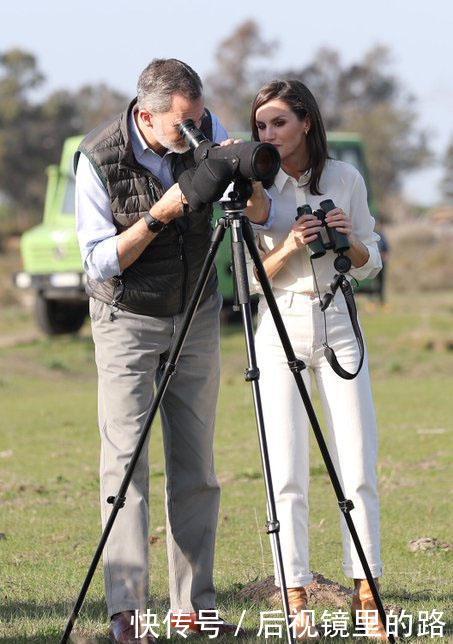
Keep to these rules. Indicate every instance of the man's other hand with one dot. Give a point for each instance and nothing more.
(231, 141)
(170, 206)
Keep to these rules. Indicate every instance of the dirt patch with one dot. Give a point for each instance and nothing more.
(393, 481)
(428, 465)
(429, 544)
(320, 591)
(16, 339)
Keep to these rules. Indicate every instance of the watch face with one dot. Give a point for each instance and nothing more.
(154, 225)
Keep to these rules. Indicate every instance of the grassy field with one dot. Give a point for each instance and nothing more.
(49, 446)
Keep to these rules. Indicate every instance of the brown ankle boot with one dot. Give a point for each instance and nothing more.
(302, 627)
(363, 600)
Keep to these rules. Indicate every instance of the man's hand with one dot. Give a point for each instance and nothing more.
(133, 241)
(170, 206)
(231, 141)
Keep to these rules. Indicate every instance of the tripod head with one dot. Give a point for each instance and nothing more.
(237, 197)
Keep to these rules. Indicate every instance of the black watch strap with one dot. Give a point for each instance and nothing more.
(153, 224)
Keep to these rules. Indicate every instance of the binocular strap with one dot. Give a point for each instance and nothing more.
(352, 310)
(343, 283)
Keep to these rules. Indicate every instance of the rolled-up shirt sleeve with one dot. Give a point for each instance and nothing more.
(96, 231)
(363, 228)
(270, 218)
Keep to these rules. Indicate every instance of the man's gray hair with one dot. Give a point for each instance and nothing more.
(162, 79)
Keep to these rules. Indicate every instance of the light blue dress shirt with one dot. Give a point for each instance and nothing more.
(96, 231)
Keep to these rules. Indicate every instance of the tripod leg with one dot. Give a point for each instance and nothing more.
(119, 500)
(296, 366)
(252, 376)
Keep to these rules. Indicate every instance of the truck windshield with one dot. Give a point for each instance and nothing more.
(69, 193)
(349, 155)
(69, 197)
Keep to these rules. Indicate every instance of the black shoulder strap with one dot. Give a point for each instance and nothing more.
(329, 352)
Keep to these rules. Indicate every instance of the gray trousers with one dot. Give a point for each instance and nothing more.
(129, 351)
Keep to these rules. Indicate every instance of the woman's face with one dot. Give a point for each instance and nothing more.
(279, 125)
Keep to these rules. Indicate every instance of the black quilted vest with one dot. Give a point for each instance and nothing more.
(161, 281)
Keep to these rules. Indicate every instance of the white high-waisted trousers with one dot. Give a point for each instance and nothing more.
(351, 423)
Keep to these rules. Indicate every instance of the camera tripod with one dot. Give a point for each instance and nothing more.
(241, 231)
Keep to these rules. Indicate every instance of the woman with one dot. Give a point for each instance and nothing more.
(286, 114)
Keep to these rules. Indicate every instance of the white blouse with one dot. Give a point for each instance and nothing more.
(340, 182)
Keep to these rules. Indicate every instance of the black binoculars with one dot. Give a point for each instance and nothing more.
(338, 242)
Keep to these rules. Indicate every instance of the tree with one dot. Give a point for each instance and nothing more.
(366, 98)
(446, 184)
(19, 74)
(32, 132)
(232, 84)
(95, 104)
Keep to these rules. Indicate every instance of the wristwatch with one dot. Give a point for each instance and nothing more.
(153, 224)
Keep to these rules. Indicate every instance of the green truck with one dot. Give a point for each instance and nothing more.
(51, 261)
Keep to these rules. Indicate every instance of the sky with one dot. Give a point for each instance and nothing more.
(113, 40)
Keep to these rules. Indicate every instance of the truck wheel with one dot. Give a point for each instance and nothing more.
(55, 317)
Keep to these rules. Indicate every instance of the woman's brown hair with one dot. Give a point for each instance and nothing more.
(302, 102)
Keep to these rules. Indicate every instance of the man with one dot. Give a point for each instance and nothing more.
(142, 256)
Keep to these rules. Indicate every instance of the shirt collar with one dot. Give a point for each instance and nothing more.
(281, 179)
(139, 144)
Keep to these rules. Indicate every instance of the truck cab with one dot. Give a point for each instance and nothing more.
(50, 254)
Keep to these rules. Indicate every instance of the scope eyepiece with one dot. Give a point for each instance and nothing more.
(191, 133)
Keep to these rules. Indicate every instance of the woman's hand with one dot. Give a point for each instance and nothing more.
(338, 219)
(303, 232)
(258, 205)
(358, 252)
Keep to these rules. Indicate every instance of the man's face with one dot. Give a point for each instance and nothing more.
(160, 129)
